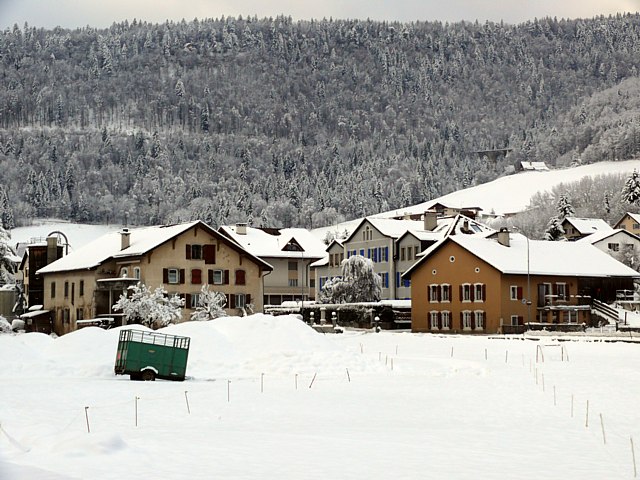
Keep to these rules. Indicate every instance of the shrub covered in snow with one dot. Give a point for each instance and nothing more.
(210, 305)
(152, 309)
(5, 326)
(358, 283)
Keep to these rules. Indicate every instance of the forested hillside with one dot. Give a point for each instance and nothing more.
(297, 123)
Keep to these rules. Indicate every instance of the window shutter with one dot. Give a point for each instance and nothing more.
(461, 321)
(227, 304)
(196, 276)
(520, 320)
(461, 297)
(472, 292)
(519, 295)
(209, 253)
(210, 277)
(240, 277)
(484, 292)
(226, 277)
(473, 321)
(188, 252)
(440, 320)
(165, 275)
(429, 292)
(182, 275)
(440, 293)
(232, 299)
(187, 300)
(247, 298)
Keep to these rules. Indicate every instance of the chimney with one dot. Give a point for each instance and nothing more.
(241, 228)
(52, 249)
(125, 239)
(430, 220)
(503, 236)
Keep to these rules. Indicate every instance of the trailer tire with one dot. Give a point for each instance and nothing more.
(135, 376)
(148, 375)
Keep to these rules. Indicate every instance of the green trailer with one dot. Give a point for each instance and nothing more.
(148, 355)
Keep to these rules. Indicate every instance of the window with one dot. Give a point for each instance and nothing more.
(79, 314)
(636, 226)
(445, 293)
(614, 247)
(466, 320)
(312, 283)
(218, 277)
(81, 289)
(53, 289)
(240, 300)
(136, 273)
(479, 318)
(293, 282)
(478, 292)
(66, 315)
(402, 254)
(515, 320)
(571, 316)
(433, 320)
(433, 293)
(516, 292)
(173, 275)
(465, 292)
(195, 300)
(561, 291)
(293, 266)
(124, 272)
(416, 251)
(196, 276)
(409, 253)
(66, 289)
(240, 280)
(445, 318)
(196, 252)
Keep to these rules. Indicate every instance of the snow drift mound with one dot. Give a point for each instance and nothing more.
(222, 348)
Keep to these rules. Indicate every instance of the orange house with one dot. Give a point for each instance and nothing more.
(467, 284)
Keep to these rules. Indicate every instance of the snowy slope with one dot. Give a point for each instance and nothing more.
(268, 398)
(77, 234)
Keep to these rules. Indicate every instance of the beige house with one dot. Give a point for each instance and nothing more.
(576, 228)
(470, 284)
(290, 251)
(87, 282)
(629, 222)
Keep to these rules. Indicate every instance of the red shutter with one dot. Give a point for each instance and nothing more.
(520, 320)
(210, 277)
(461, 321)
(232, 300)
(240, 277)
(472, 292)
(188, 252)
(182, 275)
(439, 320)
(484, 292)
(461, 297)
(165, 276)
(209, 252)
(248, 298)
(187, 300)
(519, 294)
(226, 277)
(473, 321)
(196, 276)
(440, 293)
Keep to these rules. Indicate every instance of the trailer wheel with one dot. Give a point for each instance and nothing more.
(148, 375)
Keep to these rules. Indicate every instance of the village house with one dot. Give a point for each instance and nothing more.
(629, 222)
(87, 282)
(621, 244)
(393, 245)
(470, 284)
(289, 251)
(576, 228)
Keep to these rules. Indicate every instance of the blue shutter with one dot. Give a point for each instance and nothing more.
(362, 252)
(386, 280)
(386, 254)
(397, 279)
(368, 253)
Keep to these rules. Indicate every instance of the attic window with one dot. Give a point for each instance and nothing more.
(452, 259)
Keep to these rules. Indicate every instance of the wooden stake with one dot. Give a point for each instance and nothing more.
(554, 395)
(586, 423)
(451, 352)
(313, 379)
(136, 402)
(386, 359)
(391, 363)
(86, 415)
(296, 376)
(604, 437)
(348, 376)
(396, 350)
(506, 356)
(187, 400)
(543, 382)
(633, 457)
(485, 353)
(228, 391)
(262, 383)
(379, 356)
(361, 349)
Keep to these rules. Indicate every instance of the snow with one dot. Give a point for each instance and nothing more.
(265, 245)
(589, 225)
(270, 398)
(77, 234)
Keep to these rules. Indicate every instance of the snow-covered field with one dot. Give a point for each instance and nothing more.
(270, 398)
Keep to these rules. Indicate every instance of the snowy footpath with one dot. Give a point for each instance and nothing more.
(269, 398)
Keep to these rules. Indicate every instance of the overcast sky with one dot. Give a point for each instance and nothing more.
(102, 13)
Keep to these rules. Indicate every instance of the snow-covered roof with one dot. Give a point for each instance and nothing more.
(588, 226)
(272, 243)
(539, 166)
(602, 235)
(141, 241)
(634, 216)
(394, 228)
(544, 257)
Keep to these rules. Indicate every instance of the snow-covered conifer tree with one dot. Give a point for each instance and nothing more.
(564, 207)
(152, 309)
(631, 189)
(210, 305)
(7, 269)
(554, 231)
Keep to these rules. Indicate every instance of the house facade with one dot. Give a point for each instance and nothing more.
(629, 222)
(620, 244)
(86, 283)
(478, 285)
(290, 251)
